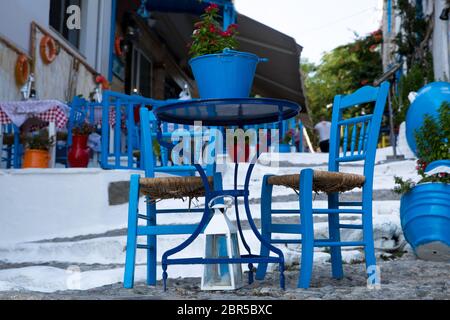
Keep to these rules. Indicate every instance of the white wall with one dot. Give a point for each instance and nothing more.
(16, 17)
(441, 45)
(37, 204)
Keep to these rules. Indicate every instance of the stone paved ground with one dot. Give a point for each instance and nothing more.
(402, 278)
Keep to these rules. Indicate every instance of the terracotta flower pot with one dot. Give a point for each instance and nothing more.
(79, 154)
(36, 159)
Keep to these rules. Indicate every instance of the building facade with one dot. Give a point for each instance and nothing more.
(139, 46)
(82, 52)
(435, 12)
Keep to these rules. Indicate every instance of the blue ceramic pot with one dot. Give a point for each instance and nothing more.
(225, 75)
(284, 148)
(425, 219)
(428, 101)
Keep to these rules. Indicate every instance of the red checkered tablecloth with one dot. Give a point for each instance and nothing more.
(55, 114)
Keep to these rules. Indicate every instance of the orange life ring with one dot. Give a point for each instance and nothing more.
(118, 46)
(48, 49)
(22, 70)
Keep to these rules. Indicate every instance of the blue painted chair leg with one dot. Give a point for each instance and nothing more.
(266, 220)
(152, 245)
(307, 223)
(132, 232)
(369, 251)
(335, 236)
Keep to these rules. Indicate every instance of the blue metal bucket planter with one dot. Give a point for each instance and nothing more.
(225, 75)
(425, 218)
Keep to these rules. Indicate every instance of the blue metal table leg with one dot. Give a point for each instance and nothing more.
(207, 216)
(165, 275)
(255, 229)
(205, 219)
(239, 225)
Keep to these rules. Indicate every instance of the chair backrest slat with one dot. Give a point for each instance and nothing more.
(364, 129)
(120, 108)
(345, 147)
(149, 128)
(366, 135)
(352, 148)
(361, 138)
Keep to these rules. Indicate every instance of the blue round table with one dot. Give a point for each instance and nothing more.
(226, 112)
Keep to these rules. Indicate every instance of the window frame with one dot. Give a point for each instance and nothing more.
(62, 23)
(137, 55)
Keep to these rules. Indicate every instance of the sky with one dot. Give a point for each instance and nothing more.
(317, 25)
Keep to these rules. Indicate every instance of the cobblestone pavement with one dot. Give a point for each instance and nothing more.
(402, 278)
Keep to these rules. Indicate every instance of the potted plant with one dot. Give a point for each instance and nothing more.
(219, 70)
(425, 205)
(79, 152)
(37, 148)
(285, 145)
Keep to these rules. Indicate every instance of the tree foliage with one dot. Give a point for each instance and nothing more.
(412, 44)
(342, 71)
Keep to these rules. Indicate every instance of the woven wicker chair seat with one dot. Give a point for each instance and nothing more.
(323, 181)
(173, 187)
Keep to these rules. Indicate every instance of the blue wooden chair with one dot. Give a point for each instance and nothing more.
(360, 138)
(178, 186)
(119, 153)
(11, 153)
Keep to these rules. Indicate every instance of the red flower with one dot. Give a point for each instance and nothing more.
(233, 27)
(212, 28)
(226, 34)
(100, 79)
(211, 8)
